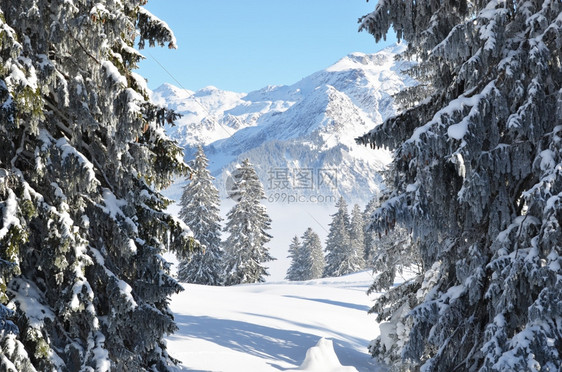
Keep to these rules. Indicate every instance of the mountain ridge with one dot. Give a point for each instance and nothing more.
(309, 125)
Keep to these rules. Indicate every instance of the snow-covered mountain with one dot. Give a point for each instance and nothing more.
(299, 137)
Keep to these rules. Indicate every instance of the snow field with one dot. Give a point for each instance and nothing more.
(270, 326)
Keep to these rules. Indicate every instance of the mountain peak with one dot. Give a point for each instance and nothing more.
(381, 60)
(206, 91)
(168, 89)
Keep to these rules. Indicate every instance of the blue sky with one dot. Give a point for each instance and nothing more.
(245, 45)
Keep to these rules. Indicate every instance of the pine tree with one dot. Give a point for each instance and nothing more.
(477, 176)
(297, 270)
(315, 255)
(338, 243)
(345, 244)
(357, 237)
(307, 259)
(200, 211)
(368, 232)
(247, 225)
(83, 285)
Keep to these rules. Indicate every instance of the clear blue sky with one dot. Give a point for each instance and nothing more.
(243, 45)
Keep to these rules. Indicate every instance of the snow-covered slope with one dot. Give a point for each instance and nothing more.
(270, 327)
(300, 137)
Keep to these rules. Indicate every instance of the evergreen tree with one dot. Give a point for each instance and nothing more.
(478, 178)
(83, 285)
(307, 259)
(341, 258)
(357, 236)
(298, 261)
(247, 225)
(345, 243)
(337, 241)
(200, 211)
(313, 248)
(368, 232)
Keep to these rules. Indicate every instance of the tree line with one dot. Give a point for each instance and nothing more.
(353, 245)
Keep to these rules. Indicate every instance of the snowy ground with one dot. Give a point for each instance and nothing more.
(270, 326)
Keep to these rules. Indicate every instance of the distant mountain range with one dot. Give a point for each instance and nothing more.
(299, 137)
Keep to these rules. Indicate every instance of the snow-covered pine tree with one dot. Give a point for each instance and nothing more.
(313, 247)
(368, 232)
(297, 269)
(247, 225)
(357, 235)
(341, 258)
(13, 356)
(82, 157)
(307, 258)
(200, 211)
(478, 176)
(337, 241)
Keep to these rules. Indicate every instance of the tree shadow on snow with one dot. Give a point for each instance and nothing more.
(348, 305)
(347, 354)
(264, 342)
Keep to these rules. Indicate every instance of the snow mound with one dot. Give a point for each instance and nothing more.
(323, 358)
